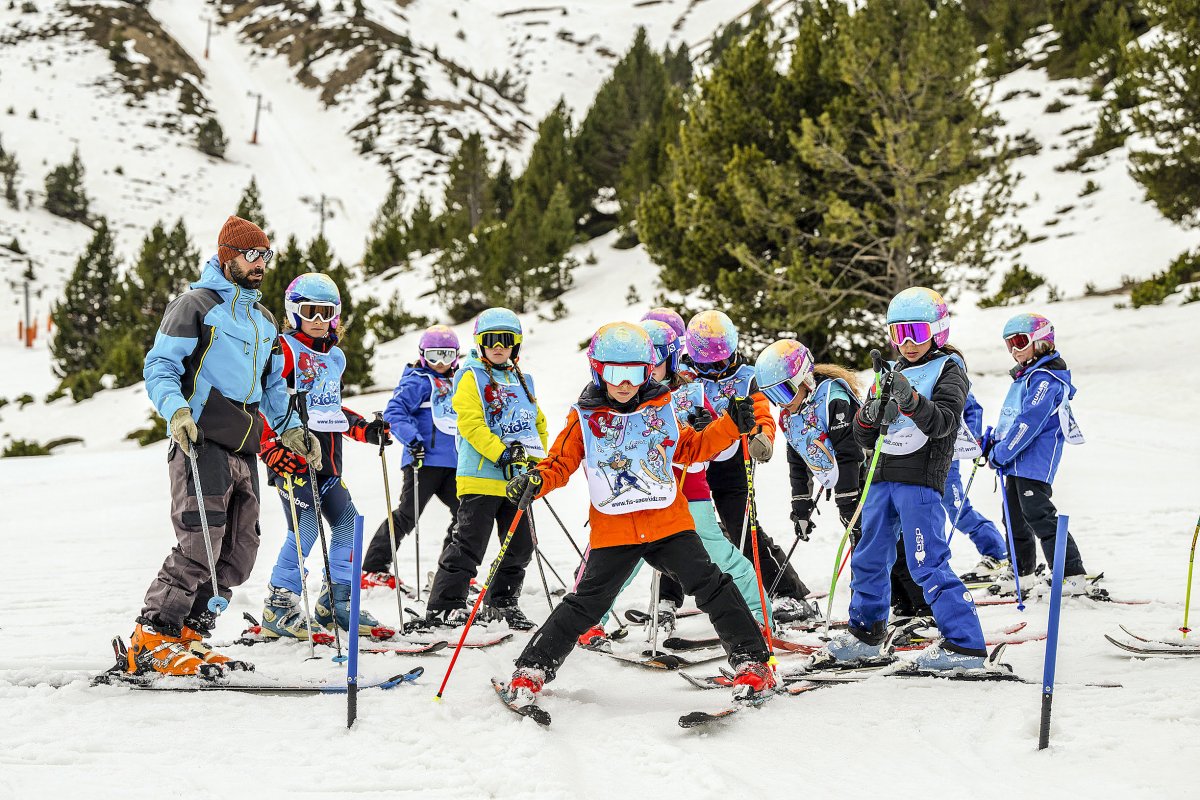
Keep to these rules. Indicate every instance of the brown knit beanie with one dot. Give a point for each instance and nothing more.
(238, 232)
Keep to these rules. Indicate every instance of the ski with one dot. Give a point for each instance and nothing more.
(168, 684)
(1007, 635)
(531, 711)
(700, 719)
(1012, 601)
(257, 634)
(677, 643)
(661, 661)
(1167, 642)
(639, 617)
(410, 650)
(474, 643)
(1154, 649)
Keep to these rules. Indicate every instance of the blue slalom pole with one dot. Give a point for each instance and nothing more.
(1060, 557)
(355, 605)
(1012, 545)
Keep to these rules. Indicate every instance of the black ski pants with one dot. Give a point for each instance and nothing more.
(430, 482)
(728, 482)
(478, 516)
(680, 555)
(1033, 517)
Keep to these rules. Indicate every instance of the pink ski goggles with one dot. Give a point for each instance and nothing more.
(915, 332)
(616, 374)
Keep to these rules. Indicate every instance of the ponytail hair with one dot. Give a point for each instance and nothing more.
(834, 371)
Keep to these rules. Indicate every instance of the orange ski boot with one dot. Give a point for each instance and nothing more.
(153, 652)
(195, 642)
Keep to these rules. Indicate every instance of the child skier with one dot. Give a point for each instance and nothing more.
(500, 429)
(313, 363)
(817, 404)
(422, 417)
(633, 526)
(711, 341)
(692, 408)
(1027, 446)
(918, 409)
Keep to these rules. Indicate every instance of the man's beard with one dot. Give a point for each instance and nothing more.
(247, 280)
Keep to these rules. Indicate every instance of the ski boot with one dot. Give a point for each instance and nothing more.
(282, 616)
(511, 614)
(386, 580)
(196, 630)
(666, 617)
(336, 606)
(435, 619)
(847, 651)
(166, 653)
(936, 658)
(521, 692)
(988, 570)
(753, 683)
(789, 609)
(594, 638)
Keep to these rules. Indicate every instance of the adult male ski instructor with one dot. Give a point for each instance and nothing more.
(215, 365)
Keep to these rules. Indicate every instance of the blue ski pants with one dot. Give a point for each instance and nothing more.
(982, 531)
(922, 520)
(337, 508)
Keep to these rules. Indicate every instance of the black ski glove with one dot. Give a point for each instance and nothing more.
(902, 392)
(512, 459)
(700, 419)
(878, 412)
(741, 409)
(281, 461)
(803, 526)
(417, 451)
(378, 431)
(516, 488)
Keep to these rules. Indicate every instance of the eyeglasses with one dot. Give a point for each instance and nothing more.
(782, 394)
(616, 374)
(253, 254)
(714, 368)
(440, 355)
(490, 339)
(915, 332)
(317, 312)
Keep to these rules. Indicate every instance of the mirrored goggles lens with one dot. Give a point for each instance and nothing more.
(317, 312)
(915, 332)
(782, 394)
(254, 254)
(616, 374)
(440, 355)
(714, 367)
(1018, 341)
(491, 339)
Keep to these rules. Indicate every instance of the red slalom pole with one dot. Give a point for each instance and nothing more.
(526, 499)
(762, 594)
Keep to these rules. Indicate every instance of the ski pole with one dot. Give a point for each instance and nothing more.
(537, 554)
(355, 607)
(526, 499)
(655, 588)
(564, 528)
(749, 507)
(787, 561)
(391, 523)
(216, 603)
(1012, 546)
(553, 571)
(312, 647)
(977, 463)
(315, 486)
(877, 365)
(1187, 601)
(416, 465)
(1060, 556)
(753, 523)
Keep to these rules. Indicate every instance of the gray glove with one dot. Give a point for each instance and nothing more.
(761, 447)
(903, 393)
(303, 444)
(184, 430)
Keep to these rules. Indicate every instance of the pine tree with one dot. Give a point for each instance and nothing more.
(65, 194)
(250, 206)
(648, 158)
(8, 172)
(416, 97)
(468, 199)
(283, 269)
(502, 191)
(424, 229)
(82, 316)
(210, 139)
(553, 161)
(388, 245)
(1166, 76)
(556, 234)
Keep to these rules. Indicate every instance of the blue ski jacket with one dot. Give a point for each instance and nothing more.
(1030, 433)
(410, 415)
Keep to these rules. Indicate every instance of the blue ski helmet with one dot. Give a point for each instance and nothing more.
(918, 304)
(784, 360)
(1035, 327)
(666, 343)
(498, 320)
(663, 314)
(312, 288)
(624, 350)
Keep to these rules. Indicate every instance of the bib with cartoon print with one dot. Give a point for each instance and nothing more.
(320, 374)
(720, 392)
(507, 410)
(628, 457)
(807, 431)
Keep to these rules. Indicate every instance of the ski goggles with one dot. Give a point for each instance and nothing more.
(1019, 341)
(616, 374)
(715, 369)
(253, 254)
(915, 332)
(490, 339)
(667, 352)
(318, 312)
(782, 394)
(440, 355)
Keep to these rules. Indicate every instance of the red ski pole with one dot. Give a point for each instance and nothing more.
(526, 499)
(762, 594)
